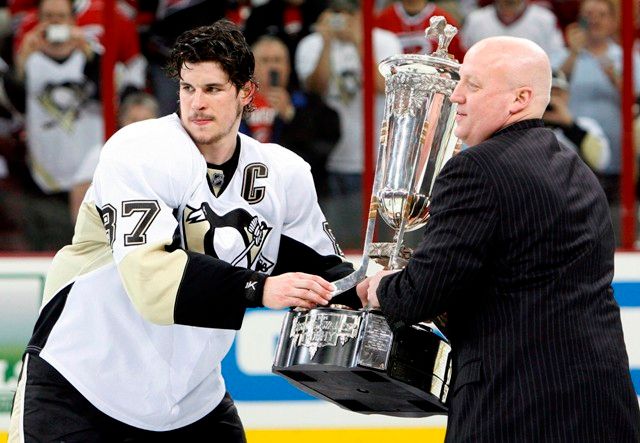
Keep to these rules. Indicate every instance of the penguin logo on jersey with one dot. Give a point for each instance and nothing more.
(236, 237)
(64, 102)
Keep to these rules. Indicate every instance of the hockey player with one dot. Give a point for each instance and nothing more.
(201, 222)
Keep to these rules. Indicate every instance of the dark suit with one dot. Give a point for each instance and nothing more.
(519, 252)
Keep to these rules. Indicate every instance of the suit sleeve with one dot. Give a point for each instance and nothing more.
(451, 255)
(138, 200)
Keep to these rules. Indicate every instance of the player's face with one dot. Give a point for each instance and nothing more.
(210, 105)
(483, 97)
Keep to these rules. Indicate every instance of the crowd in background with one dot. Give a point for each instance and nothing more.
(308, 65)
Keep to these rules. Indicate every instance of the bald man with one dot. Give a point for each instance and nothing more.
(518, 252)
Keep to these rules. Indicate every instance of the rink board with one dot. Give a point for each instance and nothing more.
(271, 409)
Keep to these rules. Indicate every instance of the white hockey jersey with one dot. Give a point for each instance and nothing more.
(139, 319)
(63, 120)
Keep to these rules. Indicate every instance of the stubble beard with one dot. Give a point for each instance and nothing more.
(207, 140)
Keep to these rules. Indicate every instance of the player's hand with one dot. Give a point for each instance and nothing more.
(296, 289)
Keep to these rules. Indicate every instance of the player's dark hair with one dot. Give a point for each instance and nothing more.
(222, 42)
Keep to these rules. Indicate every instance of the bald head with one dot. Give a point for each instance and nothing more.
(503, 80)
(521, 63)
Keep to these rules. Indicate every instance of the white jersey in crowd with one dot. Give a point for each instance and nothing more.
(344, 91)
(537, 23)
(140, 310)
(63, 122)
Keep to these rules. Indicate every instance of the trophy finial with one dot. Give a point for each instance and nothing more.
(444, 32)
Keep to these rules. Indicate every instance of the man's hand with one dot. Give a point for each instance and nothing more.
(367, 288)
(558, 113)
(324, 27)
(280, 100)
(296, 289)
(362, 289)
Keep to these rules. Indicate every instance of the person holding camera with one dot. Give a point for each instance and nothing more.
(273, 101)
(583, 134)
(289, 116)
(329, 63)
(593, 65)
(56, 35)
(58, 71)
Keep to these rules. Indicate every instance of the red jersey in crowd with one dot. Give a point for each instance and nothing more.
(260, 121)
(410, 29)
(89, 18)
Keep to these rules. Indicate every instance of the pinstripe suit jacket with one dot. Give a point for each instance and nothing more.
(519, 252)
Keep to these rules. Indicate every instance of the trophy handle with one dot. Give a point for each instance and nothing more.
(351, 280)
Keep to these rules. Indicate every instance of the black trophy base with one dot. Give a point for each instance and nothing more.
(363, 390)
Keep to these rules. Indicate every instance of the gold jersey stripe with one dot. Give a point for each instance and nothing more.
(151, 277)
(89, 251)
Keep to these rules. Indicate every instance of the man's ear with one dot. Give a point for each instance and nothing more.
(522, 98)
(247, 92)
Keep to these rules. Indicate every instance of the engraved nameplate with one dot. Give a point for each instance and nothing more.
(315, 330)
(376, 343)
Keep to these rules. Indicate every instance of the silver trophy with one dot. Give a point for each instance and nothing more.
(351, 357)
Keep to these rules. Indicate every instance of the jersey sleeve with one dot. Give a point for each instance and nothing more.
(139, 189)
(307, 243)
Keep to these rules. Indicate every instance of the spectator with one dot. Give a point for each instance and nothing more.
(329, 63)
(135, 107)
(583, 134)
(594, 68)
(289, 20)
(12, 171)
(238, 12)
(59, 67)
(131, 65)
(287, 116)
(516, 18)
(409, 18)
(564, 10)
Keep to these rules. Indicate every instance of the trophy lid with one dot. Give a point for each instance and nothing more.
(438, 63)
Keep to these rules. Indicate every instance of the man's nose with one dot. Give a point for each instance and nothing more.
(454, 98)
(198, 100)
